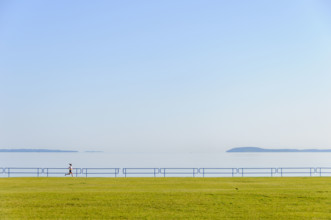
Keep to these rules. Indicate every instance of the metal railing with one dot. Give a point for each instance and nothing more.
(141, 171)
(60, 171)
(323, 170)
(22, 171)
(297, 171)
(100, 171)
(179, 171)
(168, 172)
(218, 171)
(257, 171)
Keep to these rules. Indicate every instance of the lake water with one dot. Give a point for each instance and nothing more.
(168, 160)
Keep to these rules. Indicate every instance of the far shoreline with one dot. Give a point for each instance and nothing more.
(263, 150)
(36, 151)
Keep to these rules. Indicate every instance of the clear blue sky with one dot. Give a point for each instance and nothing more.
(177, 76)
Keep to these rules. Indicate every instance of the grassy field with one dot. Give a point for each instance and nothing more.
(165, 198)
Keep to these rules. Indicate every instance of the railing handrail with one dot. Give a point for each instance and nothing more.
(154, 171)
(116, 170)
(232, 171)
(296, 167)
(124, 170)
(194, 171)
(240, 170)
(47, 171)
(7, 170)
(158, 172)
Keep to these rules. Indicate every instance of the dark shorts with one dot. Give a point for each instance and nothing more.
(70, 171)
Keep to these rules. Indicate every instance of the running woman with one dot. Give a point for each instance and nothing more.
(70, 170)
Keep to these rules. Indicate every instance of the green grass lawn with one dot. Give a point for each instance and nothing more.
(165, 198)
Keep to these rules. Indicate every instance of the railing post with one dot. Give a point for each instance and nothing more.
(8, 172)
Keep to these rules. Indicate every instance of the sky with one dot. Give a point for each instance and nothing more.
(165, 76)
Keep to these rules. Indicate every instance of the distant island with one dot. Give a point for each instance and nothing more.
(262, 150)
(36, 151)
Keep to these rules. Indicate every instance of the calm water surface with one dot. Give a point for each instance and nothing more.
(168, 160)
